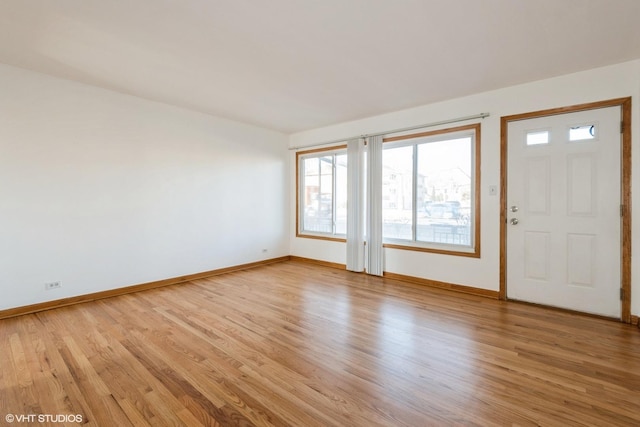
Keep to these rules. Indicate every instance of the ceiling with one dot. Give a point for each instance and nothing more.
(292, 65)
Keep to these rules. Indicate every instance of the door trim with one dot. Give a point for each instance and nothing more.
(625, 189)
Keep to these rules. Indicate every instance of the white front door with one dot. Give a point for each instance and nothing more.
(563, 211)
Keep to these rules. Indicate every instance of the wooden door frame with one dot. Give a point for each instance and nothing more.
(625, 191)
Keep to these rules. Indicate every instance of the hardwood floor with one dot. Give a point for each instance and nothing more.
(294, 344)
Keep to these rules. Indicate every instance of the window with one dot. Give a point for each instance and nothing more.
(538, 137)
(583, 132)
(322, 194)
(431, 191)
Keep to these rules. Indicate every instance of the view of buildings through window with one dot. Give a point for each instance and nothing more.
(428, 191)
(324, 197)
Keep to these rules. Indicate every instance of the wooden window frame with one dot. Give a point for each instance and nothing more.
(299, 206)
(473, 250)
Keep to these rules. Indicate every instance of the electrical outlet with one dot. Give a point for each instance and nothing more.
(52, 285)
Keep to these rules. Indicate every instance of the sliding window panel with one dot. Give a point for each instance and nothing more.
(397, 193)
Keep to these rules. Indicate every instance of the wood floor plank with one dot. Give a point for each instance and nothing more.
(304, 364)
(295, 344)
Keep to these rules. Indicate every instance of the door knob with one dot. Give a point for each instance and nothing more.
(513, 208)
(513, 221)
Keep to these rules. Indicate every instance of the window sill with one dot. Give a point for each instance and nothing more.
(464, 251)
(321, 237)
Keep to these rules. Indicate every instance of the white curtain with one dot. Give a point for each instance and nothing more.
(356, 208)
(375, 253)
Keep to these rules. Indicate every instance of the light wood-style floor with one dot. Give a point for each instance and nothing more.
(294, 344)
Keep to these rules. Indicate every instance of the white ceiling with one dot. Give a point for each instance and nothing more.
(293, 65)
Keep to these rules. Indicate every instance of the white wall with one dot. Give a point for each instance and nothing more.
(617, 81)
(99, 190)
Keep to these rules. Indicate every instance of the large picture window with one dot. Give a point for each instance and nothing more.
(431, 191)
(322, 193)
